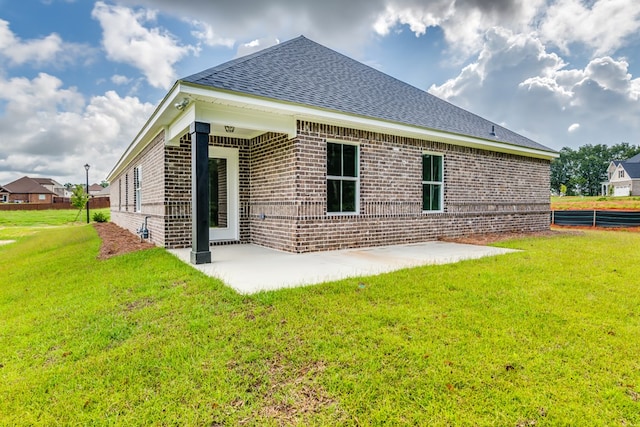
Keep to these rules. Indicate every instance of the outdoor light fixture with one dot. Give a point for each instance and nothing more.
(180, 105)
(229, 129)
(86, 168)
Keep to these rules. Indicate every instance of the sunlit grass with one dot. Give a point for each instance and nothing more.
(595, 202)
(46, 217)
(546, 336)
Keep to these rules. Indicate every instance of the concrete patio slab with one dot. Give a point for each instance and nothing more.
(250, 268)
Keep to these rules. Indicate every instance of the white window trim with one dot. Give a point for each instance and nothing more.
(356, 179)
(137, 188)
(440, 183)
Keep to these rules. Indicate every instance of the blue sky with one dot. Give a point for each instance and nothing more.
(79, 78)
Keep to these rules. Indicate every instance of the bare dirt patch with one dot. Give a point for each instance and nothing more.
(117, 240)
(488, 238)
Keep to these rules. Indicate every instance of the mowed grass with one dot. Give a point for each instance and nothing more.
(46, 217)
(547, 336)
(595, 202)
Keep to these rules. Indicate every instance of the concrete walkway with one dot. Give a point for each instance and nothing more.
(250, 268)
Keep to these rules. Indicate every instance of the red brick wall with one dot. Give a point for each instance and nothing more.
(94, 203)
(151, 160)
(178, 189)
(273, 191)
(283, 191)
(483, 192)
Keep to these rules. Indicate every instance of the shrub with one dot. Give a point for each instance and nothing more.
(100, 217)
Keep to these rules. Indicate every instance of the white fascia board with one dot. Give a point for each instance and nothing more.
(148, 132)
(179, 127)
(278, 116)
(331, 117)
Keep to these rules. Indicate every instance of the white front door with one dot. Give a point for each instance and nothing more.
(223, 193)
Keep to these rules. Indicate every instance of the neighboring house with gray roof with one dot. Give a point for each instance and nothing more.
(300, 148)
(624, 178)
(26, 190)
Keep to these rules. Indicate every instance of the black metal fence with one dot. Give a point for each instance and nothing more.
(597, 218)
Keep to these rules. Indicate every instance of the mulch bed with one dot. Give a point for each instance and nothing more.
(117, 240)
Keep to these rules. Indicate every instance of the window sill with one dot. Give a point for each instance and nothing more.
(343, 213)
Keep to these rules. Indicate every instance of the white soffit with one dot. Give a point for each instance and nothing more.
(293, 112)
(252, 116)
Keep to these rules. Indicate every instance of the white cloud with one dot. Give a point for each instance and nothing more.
(574, 127)
(50, 49)
(342, 24)
(153, 51)
(204, 32)
(515, 81)
(54, 130)
(463, 23)
(417, 19)
(603, 26)
(120, 79)
(256, 45)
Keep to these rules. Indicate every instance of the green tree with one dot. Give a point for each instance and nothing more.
(623, 151)
(563, 190)
(582, 170)
(79, 198)
(593, 161)
(563, 169)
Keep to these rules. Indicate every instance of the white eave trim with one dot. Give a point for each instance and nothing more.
(302, 112)
(180, 120)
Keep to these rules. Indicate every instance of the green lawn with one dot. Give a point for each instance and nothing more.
(546, 337)
(47, 217)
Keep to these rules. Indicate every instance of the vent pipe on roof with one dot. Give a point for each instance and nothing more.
(493, 130)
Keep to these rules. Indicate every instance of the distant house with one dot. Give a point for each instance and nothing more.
(52, 185)
(95, 189)
(30, 190)
(300, 148)
(624, 178)
(4, 195)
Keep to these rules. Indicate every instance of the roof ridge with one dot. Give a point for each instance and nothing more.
(242, 59)
(305, 72)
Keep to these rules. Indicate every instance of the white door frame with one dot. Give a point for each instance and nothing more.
(231, 231)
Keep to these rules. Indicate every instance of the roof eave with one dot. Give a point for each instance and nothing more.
(148, 132)
(165, 114)
(305, 112)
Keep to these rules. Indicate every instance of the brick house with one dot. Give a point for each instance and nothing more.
(29, 190)
(300, 148)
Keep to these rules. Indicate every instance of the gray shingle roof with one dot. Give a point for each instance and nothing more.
(632, 168)
(634, 159)
(304, 72)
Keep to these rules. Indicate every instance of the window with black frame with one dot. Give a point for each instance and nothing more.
(432, 182)
(342, 178)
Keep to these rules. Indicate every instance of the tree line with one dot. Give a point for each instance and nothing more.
(581, 171)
